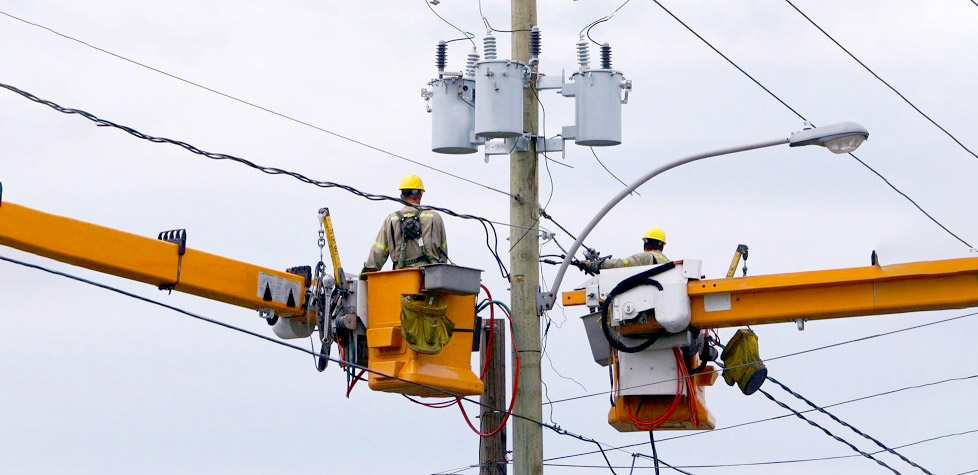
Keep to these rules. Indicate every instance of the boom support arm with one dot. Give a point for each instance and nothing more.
(837, 293)
(151, 261)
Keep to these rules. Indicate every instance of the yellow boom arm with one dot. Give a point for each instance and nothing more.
(837, 293)
(153, 261)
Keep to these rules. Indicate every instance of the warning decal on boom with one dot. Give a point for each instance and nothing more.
(272, 288)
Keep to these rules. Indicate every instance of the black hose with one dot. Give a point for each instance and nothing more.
(642, 278)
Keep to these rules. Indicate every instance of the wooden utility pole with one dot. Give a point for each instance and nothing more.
(492, 450)
(524, 259)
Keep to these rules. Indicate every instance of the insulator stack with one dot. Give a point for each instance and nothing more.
(606, 56)
(583, 54)
(441, 56)
(470, 63)
(535, 44)
(489, 47)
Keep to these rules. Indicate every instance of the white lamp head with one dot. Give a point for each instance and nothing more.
(839, 138)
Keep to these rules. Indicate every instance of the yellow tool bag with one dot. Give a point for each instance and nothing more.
(424, 323)
(743, 364)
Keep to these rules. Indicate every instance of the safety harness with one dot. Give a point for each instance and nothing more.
(410, 224)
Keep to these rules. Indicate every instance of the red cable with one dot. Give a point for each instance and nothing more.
(435, 405)
(512, 402)
(353, 383)
(650, 425)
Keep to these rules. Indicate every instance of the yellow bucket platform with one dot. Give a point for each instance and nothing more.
(388, 352)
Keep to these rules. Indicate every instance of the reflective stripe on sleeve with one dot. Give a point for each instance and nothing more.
(380, 245)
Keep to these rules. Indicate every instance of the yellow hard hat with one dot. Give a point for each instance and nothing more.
(656, 233)
(411, 182)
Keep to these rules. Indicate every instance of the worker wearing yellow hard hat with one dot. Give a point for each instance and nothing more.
(412, 236)
(653, 242)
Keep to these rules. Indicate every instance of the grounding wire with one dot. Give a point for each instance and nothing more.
(493, 246)
(895, 91)
(846, 424)
(775, 96)
(555, 428)
(468, 35)
(609, 171)
(259, 107)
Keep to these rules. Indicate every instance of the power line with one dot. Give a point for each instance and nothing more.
(846, 424)
(586, 31)
(466, 34)
(790, 461)
(827, 432)
(895, 91)
(775, 96)
(259, 107)
(789, 355)
(553, 427)
(768, 419)
(609, 171)
(787, 415)
(486, 224)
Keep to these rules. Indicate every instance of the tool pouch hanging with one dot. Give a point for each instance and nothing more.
(424, 323)
(742, 361)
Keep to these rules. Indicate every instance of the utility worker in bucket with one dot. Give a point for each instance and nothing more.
(654, 241)
(411, 237)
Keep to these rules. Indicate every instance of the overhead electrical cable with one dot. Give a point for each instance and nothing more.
(259, 107)
(554, 428)
(775, 96)
(609, 171)
(586, 31)
(846, 424)
(895, 91)
(781, 462)
(486, 224)
(789, 355)
(468, 35)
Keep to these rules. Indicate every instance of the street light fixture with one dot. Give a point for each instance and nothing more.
(839, 138)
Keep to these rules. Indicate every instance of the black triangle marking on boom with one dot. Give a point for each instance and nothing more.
(268, 294)
(291, 301)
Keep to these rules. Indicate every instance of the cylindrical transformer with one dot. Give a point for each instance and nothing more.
(453, 115)
(598, 107)
(499, 104)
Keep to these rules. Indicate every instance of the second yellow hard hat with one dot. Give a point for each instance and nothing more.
(411, 182)
(656, 233)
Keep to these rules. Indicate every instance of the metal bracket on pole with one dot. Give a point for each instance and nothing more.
(522, 143)
(545, 301)
(550, 82)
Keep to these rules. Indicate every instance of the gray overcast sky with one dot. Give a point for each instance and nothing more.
(94, 382)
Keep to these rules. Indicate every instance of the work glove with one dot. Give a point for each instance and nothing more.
(742, 362)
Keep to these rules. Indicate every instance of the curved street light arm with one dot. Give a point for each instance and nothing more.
(551, 297)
